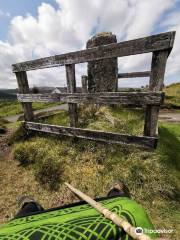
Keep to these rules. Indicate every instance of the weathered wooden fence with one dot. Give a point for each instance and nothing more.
(160, 45)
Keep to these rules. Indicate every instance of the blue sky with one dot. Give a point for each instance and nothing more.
(13, 8)
(36, 28)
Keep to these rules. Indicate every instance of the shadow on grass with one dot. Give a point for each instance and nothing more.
(169, 148)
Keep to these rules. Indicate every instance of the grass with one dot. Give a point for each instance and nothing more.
(3, 127)
(8, 108)
(169, 147)
(60, 118)
(172, 93)
(43, 162)
(103, 118)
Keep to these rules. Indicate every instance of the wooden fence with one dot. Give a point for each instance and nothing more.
(160, 45)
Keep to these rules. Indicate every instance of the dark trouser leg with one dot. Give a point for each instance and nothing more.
(29, 208)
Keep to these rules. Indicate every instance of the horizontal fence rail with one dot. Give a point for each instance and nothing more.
(134, 74)
(108, 137)
(163, 41)
(121, 98)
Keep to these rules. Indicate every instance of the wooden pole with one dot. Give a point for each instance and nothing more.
(24, 89)
(71, 88)
(156, 84)
(120, 222)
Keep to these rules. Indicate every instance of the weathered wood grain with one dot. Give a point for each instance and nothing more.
(46, 97)
(24, 89)
(121, 98)
(138, 46)
(134, 74)
(71, 88)
(101, 136)
(158, 66)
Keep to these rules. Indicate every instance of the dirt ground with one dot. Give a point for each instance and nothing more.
(4, 148)
(169, 116)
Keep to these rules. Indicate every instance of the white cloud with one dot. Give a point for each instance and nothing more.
(172, 23)
(56, 31)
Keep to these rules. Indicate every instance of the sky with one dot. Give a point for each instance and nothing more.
(35, 29)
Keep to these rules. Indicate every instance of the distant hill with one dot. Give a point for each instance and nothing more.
(10, 94)
(172, 95)
(173, 89)
(7, 95)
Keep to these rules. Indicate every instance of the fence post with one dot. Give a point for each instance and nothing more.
(84, 81)
(71, 88)
(158, 66)
(23, 89)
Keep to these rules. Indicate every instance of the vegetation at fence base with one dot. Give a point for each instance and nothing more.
(8, 108)
(112, 119)
(60, 118)
(172, 93)
(117, 120)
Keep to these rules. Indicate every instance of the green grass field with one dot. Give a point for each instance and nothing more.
(47, 161)
(8, 108)
(172, 93)
(38, 165)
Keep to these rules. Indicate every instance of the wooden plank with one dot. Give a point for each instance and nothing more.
(101, 136)
(46, 97)
(24, 89)
(158, 66)
(138, 46)
(134, 74)
(84, 82)
(71, 88)
(121, 98)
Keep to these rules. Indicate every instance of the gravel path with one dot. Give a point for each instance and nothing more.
(169, 116)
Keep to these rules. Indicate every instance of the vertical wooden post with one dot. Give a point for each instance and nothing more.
(71, 88)
(24, 88)
(158, 66)
(84, 81)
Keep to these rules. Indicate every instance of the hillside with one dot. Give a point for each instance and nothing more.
(4, 95)
(38, 165)
(172, 93)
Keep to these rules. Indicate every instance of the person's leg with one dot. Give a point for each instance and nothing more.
(119, 189)
(27, 206)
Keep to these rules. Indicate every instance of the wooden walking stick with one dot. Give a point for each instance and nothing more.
(120, 222)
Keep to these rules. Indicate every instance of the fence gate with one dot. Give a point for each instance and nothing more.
(160, 45)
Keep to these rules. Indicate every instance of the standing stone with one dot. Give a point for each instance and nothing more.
(102, 74)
